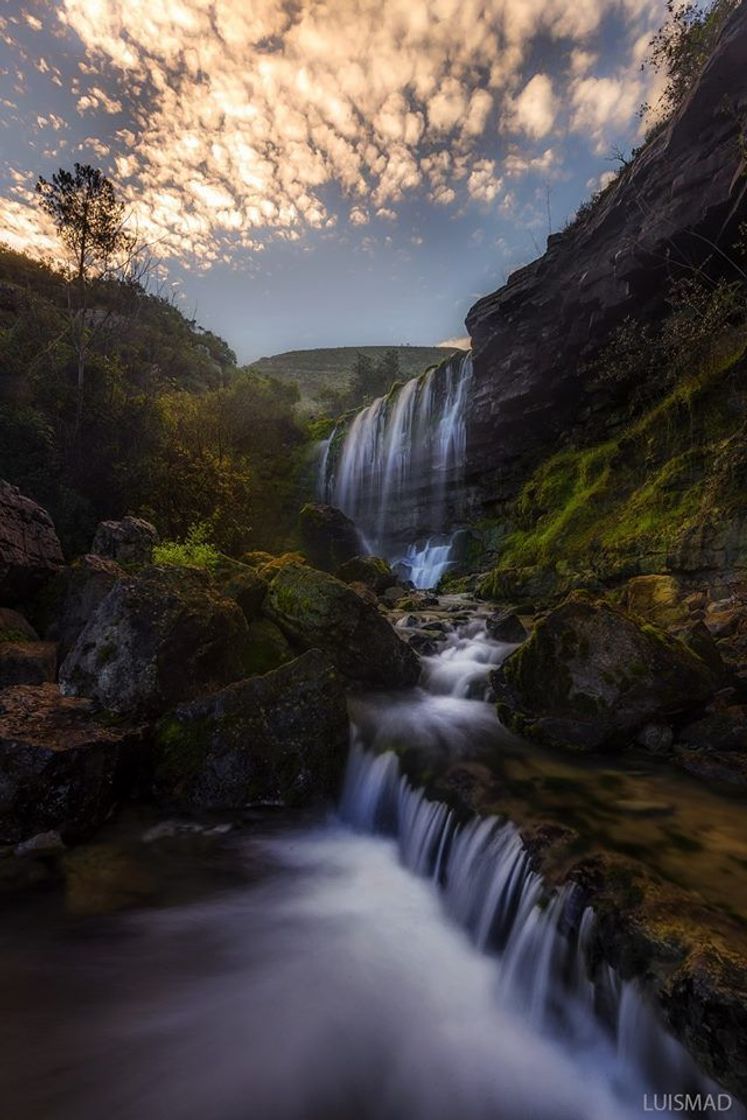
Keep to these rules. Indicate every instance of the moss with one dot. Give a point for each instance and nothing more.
(181, 748)
(106, 653)
(13, 635)
(602, 508)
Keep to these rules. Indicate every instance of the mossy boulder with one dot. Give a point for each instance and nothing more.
(158, 638)
(63, 765)
(591, 677)
(245, 586)
(72, 597)
(657, 598)
(280, 738)
(276, 564)
(316, 610)
(14, 627)
(372, 571)
(328, 537)
(27, 663)
(267, 647)
(130, 541)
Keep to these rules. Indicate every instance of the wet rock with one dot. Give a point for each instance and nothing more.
(423, 643)
(280, 738)
(130, 541)
(369, 570)
(73, 596)
(365, 593)
(724, 730)
(316, 610)
(14, 627)
(62, 765)
(397, 595)
(104, 878)
(158, 638)
(723, 767)
(591, 677)
(30, 551)
(43, 844)
(655, 737)
(506, 626)
(27, 663)
(329, 538)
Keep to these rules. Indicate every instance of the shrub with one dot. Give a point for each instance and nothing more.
(195, 551)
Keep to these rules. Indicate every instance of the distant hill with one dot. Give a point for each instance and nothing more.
(330, 369)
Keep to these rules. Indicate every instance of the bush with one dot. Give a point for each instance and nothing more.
(195, 551)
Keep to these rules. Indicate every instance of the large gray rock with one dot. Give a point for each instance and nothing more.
(316, 610)
(280, 738)
(536, 339)
(62, 767)
(130, 541)
(30, 551)
(329, 538)
(73, 596)
(591, 677)
(158, 638)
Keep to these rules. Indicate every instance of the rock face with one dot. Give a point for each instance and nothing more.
(73, 596)
(533, 338)
(281, 738)
(315, 610)
(130, 541)
(14, 627)
(329, 537)
(158, 638)
(591, 677)
(61, 767)
(30, 550)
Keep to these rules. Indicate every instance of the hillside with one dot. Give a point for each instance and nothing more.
(330, 369)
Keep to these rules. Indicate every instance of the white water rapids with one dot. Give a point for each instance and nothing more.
(398, 470)
(387, 964)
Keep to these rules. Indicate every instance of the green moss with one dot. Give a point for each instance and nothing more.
(600, 509)
(11, 635)
(180, 749)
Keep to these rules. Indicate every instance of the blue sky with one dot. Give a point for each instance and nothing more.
(333, 172)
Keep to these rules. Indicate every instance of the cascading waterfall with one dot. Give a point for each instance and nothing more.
(540, 940)
(398, 470)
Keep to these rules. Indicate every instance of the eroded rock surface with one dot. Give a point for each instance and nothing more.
(30, 551)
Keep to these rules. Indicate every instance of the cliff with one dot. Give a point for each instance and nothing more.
(674, 210)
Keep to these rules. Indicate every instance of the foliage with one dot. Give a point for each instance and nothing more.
(196, 550)
(683, 45)
(171, 429)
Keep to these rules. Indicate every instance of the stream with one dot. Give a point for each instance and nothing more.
(382, 963)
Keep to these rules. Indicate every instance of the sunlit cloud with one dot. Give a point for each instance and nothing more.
(229, 123)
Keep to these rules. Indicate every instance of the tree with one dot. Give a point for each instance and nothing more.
(90, 221)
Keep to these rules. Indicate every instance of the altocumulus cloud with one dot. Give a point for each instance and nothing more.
(229, 122)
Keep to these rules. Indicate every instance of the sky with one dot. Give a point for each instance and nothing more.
(324, 172)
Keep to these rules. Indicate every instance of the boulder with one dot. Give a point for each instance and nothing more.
(27, 663)
(329, 538)
(62, 766)
(316, 610)
(369, 570)
(30, 551)
(246, 587)
(15, 628)
(592, 677)
(74, 595)
(506, 626)
(658, 599)
(130, 541)
(267, 647)
(158, 638)
(280, 738)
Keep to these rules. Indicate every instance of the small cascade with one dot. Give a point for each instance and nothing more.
(397, 470)
(538, 938)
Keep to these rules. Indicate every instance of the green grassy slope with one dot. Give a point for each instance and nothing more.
(313, 369)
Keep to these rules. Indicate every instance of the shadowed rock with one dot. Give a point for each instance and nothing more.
(30, 551)
(329, 537)
(130, 541)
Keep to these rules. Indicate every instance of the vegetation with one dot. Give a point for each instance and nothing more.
(161, 423)
(331, 381)
(196, 550)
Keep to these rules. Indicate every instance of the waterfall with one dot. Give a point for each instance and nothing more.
(397, 470)
(539, 937)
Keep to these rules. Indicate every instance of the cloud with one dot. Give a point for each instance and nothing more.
(535, 108)
(233, 119)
